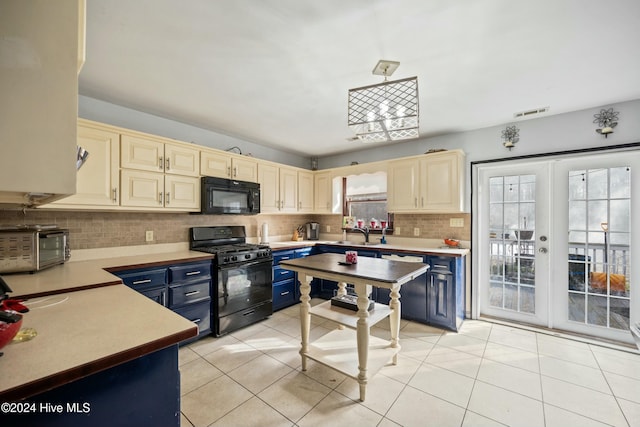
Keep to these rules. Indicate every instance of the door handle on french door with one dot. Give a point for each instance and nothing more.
(543, 250)
(543, 238)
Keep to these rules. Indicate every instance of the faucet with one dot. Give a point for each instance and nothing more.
(364, 231)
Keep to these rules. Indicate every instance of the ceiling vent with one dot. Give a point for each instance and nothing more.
(529, 113)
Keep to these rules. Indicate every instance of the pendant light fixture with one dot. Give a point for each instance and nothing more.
(386, 111)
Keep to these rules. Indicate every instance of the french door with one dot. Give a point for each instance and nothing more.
(514, 260)
(554, 243)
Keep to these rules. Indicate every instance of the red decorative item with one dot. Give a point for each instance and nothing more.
(8, 331)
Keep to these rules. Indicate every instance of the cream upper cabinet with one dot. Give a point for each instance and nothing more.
(428, 183)
(244, 169)
(288, 190)
(224, 165)
(148, 154)
(181, 160)
(143, 189)
(278, 188)
(269, 179)
(305, 191)
(402, 185)
(98, 181)
(441, 182)
(322, 192)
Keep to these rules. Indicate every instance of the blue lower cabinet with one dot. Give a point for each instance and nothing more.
(185, 288)
(142, 392)
(284, 294)
(446, 292)
(413, 294)
(286, 288)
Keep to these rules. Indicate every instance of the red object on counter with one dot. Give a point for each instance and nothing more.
(8, 331)
(15, 305)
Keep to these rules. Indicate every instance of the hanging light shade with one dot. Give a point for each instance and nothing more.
(387, 111)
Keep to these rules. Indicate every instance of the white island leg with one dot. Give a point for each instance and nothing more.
(305, 317)
(394, 320)
(362, 334)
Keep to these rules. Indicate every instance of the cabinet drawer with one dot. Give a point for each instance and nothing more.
(284, 294)
(282, 256)
(159, 295)
(280, 273)
(200, 314)
(144, 279)
(190, 272)
(302, 253)
(188, 293)
(440, 264)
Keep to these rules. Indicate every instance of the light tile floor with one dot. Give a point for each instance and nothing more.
(486, 375)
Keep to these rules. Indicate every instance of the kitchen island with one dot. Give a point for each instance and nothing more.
(355, 354)
(104, 352)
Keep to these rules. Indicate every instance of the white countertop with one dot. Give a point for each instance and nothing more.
(86, 321)
(378, 247)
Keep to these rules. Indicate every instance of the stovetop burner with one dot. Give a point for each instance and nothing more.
(228, 243)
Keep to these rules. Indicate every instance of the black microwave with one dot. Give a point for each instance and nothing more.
(229, 196)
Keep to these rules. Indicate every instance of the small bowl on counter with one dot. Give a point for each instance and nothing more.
(452, 243)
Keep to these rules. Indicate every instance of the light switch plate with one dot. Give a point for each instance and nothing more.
(416, 231)
(396, 231)
(149, 236)
(328, 229)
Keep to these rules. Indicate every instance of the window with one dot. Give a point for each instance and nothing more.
(366, 199)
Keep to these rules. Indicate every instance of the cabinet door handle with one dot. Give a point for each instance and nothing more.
(282, 273)
(415, 202)
(299, 205)
(235, 171)
(164, 298)
(248, 313)
(191, 273)
(229, 171)
(168, 197)
(115, 195)
(160, 198)
(188, 294)
(161, 163)
(422, 202)
(441, 266)
(284, 293)
(168, 163)
(141, 282)
(198, 320)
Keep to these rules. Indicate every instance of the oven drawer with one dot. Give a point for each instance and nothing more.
(200, 314)
(179, 273)
(189, 293)
(280, 273)
(243, 318)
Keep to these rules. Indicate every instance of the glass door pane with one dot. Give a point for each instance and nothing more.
(512, 245)
(599, 218)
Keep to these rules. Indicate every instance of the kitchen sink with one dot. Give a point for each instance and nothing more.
(350, 243)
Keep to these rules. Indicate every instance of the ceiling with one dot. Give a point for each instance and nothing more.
(277, 72)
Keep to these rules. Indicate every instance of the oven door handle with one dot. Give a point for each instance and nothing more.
(267, 263)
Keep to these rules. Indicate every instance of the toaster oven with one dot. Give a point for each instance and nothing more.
(30, 248)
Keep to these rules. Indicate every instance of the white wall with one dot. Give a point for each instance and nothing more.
(560, 132)
(105, 112)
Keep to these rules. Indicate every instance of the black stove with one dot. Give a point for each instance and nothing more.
(228, 243)
(243, 276)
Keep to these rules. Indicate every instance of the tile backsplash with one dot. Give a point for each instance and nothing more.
(90, 230)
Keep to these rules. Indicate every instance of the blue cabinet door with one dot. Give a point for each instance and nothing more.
(446, 292)
(413, 294)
